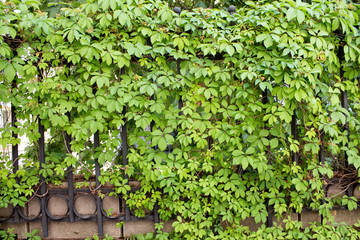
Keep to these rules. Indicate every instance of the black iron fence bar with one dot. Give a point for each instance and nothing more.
(15, 149)
(125, 160)
(264, 101)
(345, 104)
(322, 161)
(87, 191)
(98, 186)
(180, 103)
(90, 219)
(269, 208)
(70, 175)
(232, 10)
(178, 68)
(42, 179)
(295, 155)
(124, 148)
(178, 62)
(124, 143)
(156, 213)
(344, 98)
(156, 206)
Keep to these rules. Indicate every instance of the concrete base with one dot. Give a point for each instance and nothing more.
(144, 226)
(19, 228)
(6, 212)
(76, 230)
(308, 217)
(85, 204)
(84, 229)
(350, 218)
(280, 222)
(138, 227)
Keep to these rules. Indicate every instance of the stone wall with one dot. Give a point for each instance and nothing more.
(85, 205)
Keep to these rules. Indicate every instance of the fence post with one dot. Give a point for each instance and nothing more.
(42, 179)
(70, 175)
(269, 220)
(178, 62)
(97, 186)
(344, 100)
(15, 149)
(124, 147)
(156, 206)
(124, 158)
(232, 10)
(322, 161)
(295, 155)
(97, 183)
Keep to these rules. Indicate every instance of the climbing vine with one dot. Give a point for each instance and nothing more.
(229, 116)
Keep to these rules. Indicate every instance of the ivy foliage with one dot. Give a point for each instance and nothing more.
(208, 99)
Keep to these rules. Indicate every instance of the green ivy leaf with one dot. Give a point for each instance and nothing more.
(230, 50)
(9, 72)
(300, 16)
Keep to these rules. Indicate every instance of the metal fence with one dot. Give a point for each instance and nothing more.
(70, 195)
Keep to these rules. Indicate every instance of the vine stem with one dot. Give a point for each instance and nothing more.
(68, 151)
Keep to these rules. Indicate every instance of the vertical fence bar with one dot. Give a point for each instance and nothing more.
(232, 10)
(156, 215)
(124, 158)
(42, 179)
(345, 104)
(70, 176)
(156, 206)
(269, 220)
(321, 152)
(178, 62)
(97, 182)
(97, 174)
(180, 103)
(124, 147)
(264, 101)
(322, 161)
(295, 156)
(15, 149)
(344, 99)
